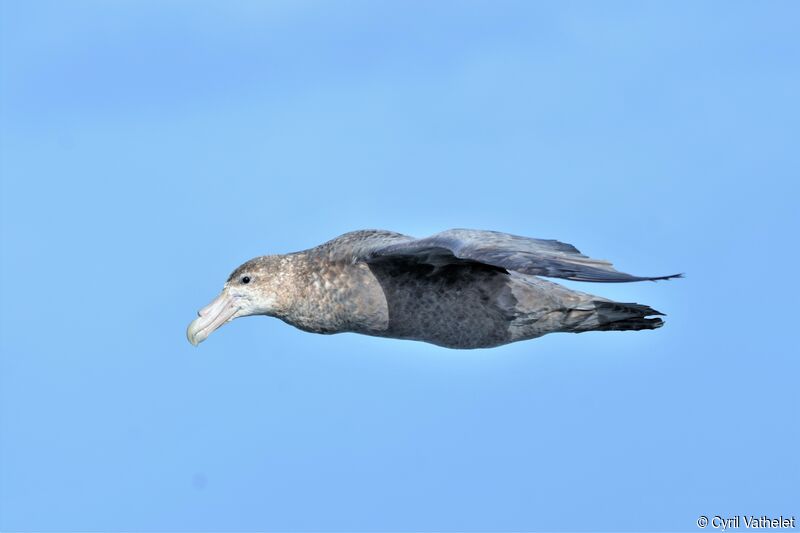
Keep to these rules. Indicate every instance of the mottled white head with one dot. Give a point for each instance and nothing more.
(252, 289)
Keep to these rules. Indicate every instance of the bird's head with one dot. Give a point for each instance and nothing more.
(252, 289)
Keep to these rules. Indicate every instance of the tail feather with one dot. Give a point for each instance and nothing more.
(617, 316)
(631, 324)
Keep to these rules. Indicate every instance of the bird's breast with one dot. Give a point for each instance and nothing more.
(339, 297)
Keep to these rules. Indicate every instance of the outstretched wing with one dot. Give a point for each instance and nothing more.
(537, 257)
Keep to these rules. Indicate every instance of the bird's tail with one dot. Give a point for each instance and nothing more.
(617, 316)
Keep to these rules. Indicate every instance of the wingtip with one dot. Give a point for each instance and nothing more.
(671, 276)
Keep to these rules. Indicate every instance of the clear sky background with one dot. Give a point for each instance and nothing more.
(148, 148)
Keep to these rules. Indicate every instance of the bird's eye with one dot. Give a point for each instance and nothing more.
(246, 279)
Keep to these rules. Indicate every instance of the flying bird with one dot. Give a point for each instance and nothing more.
(459, 288)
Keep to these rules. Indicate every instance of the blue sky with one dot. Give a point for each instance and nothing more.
(148, 148)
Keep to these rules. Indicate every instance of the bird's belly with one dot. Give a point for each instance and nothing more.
(457, 306)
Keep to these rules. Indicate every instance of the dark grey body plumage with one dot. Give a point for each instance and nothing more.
(458, 305)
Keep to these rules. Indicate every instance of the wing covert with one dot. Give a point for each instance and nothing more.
(539, 257)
